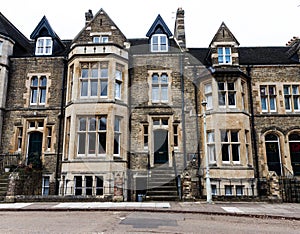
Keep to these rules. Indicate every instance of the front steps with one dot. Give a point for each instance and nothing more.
(3, 185)
(162, 184)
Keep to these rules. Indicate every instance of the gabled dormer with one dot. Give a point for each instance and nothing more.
(99, 30)
(224, 47)
(159, 35)
(46, 40)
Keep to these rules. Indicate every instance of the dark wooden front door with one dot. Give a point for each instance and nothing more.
(35, 149)
(161, 146)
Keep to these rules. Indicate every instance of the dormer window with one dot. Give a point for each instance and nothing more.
(224, 55)
(159, 43)
(44, 46)
(100, 39)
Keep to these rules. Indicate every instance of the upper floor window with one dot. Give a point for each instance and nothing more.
(94, 80)
(1, 47)
(211, 150)
(91, 136)
(118, 82)
(159, 43)
(38, 87)
(268, 98)
(224, 55)
(208, 96)
(100, 39)
(291, 97)
(117, 136)
(226, 94)
(44, 46)
(160, 88)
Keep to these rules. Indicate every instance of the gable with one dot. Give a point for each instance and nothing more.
(159, 27)
(43, 29)
(224, 35)
(100, 24)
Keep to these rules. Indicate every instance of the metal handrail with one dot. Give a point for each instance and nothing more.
(177, 177)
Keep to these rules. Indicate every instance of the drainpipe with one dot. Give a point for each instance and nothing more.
(253, 132)
(182, 108)
(129, 135)
(195, 83)
(61, 125)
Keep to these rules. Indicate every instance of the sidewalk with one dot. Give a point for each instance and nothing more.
(253, 209)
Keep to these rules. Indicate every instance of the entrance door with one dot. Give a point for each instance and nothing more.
(294, 140)
(35, 149)
(273, 154)
(161, 146)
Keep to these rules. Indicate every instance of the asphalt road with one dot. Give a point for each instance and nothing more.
(138, 222)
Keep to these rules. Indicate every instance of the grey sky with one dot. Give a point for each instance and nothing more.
(254, 23)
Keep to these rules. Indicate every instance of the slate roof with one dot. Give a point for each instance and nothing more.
(250, 56)
(142, 46)
(8, 29)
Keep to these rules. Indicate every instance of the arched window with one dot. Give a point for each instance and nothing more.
(294, 143)
(273, 153)
(38, 87)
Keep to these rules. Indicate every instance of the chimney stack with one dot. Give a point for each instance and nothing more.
(88, 16)
(179, 31)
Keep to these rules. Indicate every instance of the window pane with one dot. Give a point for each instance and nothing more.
(92, 124)
(211, 137)
(43, 81)
(164, 78)
(81, 143)
(102, 123)
(95, 72)
(43, 96)
(208, 88)
(82, 124)
(263, 103)
(211, 153)
(103, 88)
(231, 98)
(84, 88)
(222, 98)
(92, 143)
(224, 136)
(296, 103)
(116, 143)
(272, 104)
(104, 72)
(164, 93)
(118, 90)
(155, 79)
(234, 137)
(295, 89)
(235, 153)
(286, 89)
(287, 102)
(102, 142)
(155, 95)
(155, 39)
(34, 96)
(84, 73)
(94, 88)
(99, 185)
(225, 152)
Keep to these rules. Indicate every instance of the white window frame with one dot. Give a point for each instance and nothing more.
(100, 39)
(292, 96)
(117, 135)
(230, 144)
(211, 147)
(1, 48)
(226, 92)
(86, 131)
(208, 95)
(45, 186)
(42, 48)
(118, 83)
(223, 55)
(268, 97)
(158, 88)
(159, 46)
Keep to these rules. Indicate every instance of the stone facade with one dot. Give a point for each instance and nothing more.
(99, 114)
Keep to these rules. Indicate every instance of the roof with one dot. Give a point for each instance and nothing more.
(159, 25)
(9, 30)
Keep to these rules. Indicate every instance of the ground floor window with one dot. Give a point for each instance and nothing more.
(88, 185)
(45, 185)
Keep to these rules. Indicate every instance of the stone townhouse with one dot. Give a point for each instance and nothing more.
(32, 89)
(114, 118)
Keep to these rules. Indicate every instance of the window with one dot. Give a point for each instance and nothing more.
(36, 124)
(268, 98)
(247, 144)
(118, 82)
(19, 138)
(1, 47)
(160, 122)
(91, 136)
(211, 147)
(44, 46)
(78, 185)
(294, 144)
(94, 80)
(160, 88)
(228, 190)
(239, 190)
(226, 94)
(243, 92)
(146, 136)
(45, 185)
(89, 185)
(214, 189)
(38, 87)
(208, 96)
(100, 39)
(291, 97)
(117, 136)
(224, 55)
(99, 185)
(70, 83)
(230, 146)
(49, 137)
(175, 135)
(159, 43)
